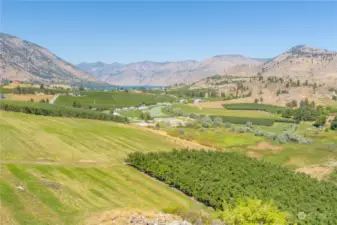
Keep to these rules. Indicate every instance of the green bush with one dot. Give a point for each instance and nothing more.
(215, 177)
(54, 110)
(252, 211)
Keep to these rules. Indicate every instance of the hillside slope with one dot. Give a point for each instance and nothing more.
(164, 73)
(63, 170)
(298, 63)
(26, 61)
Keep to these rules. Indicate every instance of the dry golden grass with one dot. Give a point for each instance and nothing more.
(15, 85)
(318, 172)
(35, 97)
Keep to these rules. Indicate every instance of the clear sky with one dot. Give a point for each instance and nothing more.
(128, 31)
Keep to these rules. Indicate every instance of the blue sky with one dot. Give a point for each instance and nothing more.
(128, 31)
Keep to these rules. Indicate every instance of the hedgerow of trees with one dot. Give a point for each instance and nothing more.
(215, 177)
(54, 110)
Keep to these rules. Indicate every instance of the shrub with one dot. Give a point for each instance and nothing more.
(252, 211)
(217, 122)
(228, 125)
(206, 122)
(249, 124)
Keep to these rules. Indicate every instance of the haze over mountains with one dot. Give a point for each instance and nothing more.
(165, 73)
(26, 61)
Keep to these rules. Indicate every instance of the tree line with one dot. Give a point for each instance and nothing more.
(54, 110)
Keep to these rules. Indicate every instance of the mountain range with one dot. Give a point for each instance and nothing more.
(26, 61)
(165, 73)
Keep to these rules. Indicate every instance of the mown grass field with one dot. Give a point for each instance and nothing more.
(226, 112)
(101, 99)
(71, 168)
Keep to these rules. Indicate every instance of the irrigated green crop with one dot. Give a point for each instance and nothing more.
(214, 177)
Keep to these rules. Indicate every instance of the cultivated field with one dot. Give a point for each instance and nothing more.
(101, 99)
(225, 112)
(318, 154)
(62, 170)
(28, 97)
(15, 85)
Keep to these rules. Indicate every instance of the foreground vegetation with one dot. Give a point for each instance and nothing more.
(214, 177)
(70, 168)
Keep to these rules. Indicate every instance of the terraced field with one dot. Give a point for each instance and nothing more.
(61, 170)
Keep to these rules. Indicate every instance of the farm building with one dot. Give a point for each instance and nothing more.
(197, 100)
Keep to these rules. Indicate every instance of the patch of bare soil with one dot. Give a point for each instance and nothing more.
(182, 142)
(128, 216)
(266, 146)
(318, 172)
(86, 161)
(254, 154)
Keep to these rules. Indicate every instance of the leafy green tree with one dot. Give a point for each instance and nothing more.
(252, 212)
(321, 120)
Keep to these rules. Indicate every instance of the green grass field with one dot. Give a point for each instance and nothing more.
(71, 168)
(101, 99)
(226, 112)
(291, 155)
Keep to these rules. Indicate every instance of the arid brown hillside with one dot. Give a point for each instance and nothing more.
(26, 61)
(298, 63)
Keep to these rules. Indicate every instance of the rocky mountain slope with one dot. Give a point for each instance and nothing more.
(298, 63)
(26, 61)
(165, 73)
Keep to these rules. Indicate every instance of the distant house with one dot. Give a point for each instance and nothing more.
(2, 96)
(143, 107)
(195, 101)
